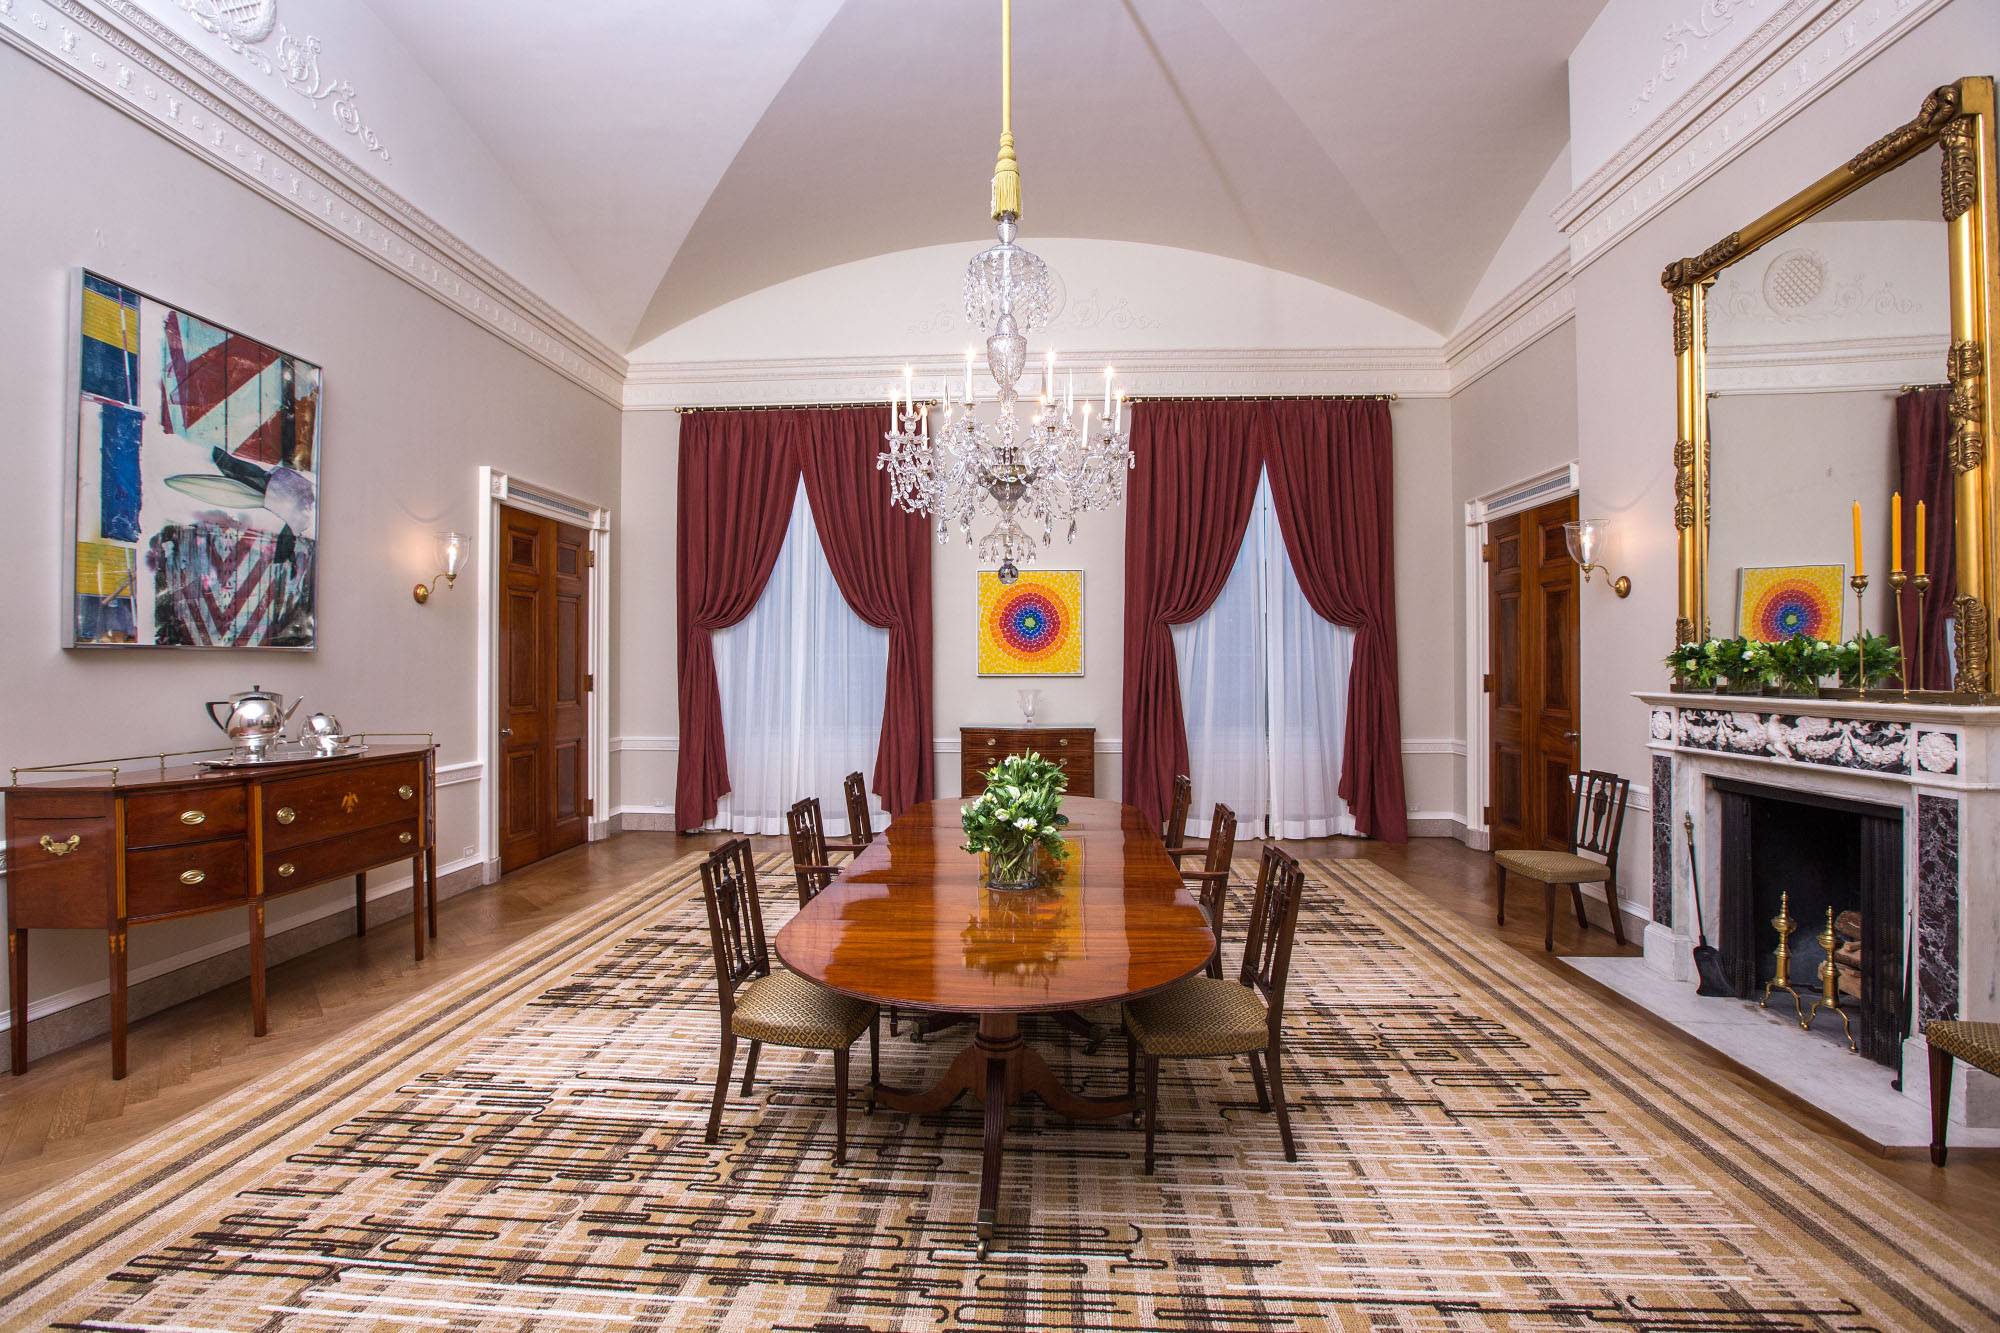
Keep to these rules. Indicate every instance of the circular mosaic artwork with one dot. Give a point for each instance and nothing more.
(1778, 603)
(1031, 627)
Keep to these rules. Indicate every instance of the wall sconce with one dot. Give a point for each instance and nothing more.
(452, 547)
(1586, 541)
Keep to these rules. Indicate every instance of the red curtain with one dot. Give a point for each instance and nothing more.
(881, 559)
(738, 474)
(1188, 506)
(1923, 430)
(1332, 486)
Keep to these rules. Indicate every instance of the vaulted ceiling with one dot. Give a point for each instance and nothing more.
(685, 154)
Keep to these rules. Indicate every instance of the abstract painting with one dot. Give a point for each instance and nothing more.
(195, 495)
(1033, 627)
(1779, 601)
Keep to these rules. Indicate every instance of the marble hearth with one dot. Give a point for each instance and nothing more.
(1939, 765)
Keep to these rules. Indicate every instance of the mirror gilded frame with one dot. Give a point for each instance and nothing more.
(1960, 118)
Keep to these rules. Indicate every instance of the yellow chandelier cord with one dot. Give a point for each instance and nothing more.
(1006, 176)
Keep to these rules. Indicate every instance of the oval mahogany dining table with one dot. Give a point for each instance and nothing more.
(908, 923)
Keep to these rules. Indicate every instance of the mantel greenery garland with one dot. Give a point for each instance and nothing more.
(1017, 818)
(1797, 665)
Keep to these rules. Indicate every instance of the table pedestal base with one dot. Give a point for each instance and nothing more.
(999, 1069)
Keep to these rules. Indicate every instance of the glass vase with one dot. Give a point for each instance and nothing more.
(1014, 868)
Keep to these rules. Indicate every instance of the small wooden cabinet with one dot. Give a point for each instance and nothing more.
(107, 851)
(1075, 748)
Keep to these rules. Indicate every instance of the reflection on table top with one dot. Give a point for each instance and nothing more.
(908, 922)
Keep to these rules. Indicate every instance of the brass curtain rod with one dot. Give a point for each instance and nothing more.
(800, 407)
(1265, 398)
(1912, 388)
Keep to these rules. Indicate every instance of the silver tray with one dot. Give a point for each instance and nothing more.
(288, 755)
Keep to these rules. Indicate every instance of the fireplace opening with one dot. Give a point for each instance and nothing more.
(1816, 855)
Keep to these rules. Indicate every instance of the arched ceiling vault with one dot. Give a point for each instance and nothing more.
(687, 154)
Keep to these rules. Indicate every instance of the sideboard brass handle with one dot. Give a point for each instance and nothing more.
(406, 791)
(286, 814)
(1063, 741)
(193, 876)
(992, 740)
(193, 816)
(64, 848)
(286, 869)
(402, 837)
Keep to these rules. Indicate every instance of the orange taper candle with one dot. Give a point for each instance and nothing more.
(1920, 536)
(1858, 566)
(1896, 532)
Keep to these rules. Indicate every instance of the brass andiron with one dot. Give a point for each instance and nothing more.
(1782, 978)
(1860, 585)
(1829, 985)
(1898, 580)
(1921, 582)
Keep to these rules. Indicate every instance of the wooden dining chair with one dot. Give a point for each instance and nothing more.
(1597, 822)
(1203, 1017)
(1175, 835)
(782, 1008)
(811, 866)
(860, 826)
(1211, 882)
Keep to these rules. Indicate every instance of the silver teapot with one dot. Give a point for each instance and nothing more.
(322, 732)
(255, 720)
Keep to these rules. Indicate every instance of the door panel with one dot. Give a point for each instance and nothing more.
(544, 652)
(1532, 689)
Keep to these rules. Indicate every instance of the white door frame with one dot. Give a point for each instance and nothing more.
(1536, 490)
(496, 488)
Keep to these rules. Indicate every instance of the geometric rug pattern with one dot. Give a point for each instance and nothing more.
(1481, 1147)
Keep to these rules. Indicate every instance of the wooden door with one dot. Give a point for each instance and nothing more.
(1531, 689)
(544, 687)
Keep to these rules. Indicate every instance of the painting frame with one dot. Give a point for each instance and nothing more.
(995, 659)
(238, 583)
(1827, 583)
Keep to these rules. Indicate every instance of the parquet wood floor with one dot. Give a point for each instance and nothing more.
(67, 1113)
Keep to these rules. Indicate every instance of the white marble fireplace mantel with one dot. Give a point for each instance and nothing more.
(1939, 764)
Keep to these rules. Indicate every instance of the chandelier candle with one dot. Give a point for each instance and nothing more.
(1046, 469)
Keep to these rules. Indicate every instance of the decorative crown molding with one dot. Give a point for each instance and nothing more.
(1544, 300)
(1754, 89)
(129, 59)
(1407, 372)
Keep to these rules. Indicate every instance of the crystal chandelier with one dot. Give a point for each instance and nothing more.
(1043, 465)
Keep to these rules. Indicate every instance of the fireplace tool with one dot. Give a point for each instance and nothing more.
(1781, 976)
(1829, 984)
(1707, 962)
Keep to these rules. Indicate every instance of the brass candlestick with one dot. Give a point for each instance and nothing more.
(1898, 580)
(1860, 585)
(1781, 979)
(1921, 582)
(1829, 984)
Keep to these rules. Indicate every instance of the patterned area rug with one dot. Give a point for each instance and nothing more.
(1482, 1147)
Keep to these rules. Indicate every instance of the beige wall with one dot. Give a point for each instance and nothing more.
(1625, 379)
(1426, 533)
(416, 399)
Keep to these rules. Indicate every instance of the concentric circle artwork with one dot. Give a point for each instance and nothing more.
(1784, 600)
(1032, 627)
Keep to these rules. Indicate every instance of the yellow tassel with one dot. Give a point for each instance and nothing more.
(1006, 180)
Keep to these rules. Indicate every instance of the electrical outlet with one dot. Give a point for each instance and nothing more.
(659, 800)
(470, 851)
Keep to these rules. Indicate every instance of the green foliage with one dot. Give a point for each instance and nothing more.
(1871, 651)
(1799, 662)
(1744, 663)
(1693, 664)
(1019, 813)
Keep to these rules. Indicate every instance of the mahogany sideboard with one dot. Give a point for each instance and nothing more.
(109, 849)
(1074, 748)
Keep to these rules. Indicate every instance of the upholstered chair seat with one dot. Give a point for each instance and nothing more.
(787, 1010)
(1978, 1044)
(1554, 867)
(1200, 1016)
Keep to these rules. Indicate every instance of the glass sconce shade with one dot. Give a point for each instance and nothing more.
(1585, 538)
(452, 550)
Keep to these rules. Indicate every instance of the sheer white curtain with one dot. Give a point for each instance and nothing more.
(1264, 689)
(802, 680)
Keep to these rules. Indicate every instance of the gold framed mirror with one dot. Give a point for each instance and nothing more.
(1860, 337)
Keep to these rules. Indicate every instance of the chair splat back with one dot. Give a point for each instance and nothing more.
(860, 828)
(1177, 814)
(735, 917)
(809, 858)
(1215, 877)
(1274, 918)
(1598, 814)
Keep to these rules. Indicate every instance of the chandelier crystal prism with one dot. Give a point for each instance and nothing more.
(1037, 465)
